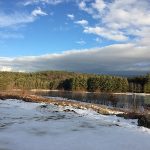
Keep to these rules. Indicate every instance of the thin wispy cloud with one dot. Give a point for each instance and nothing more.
(9, 20)
(10, 23)
(81, 42)
(51, 2)
(19, 18)
(71, 16)
(103, 32)
(38, 12)
(82, 22)
(98, 40)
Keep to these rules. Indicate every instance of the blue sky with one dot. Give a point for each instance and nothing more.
(50, 33)
(98, 36)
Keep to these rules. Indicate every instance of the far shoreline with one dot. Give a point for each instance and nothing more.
(48, 90)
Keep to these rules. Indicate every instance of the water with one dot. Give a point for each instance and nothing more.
(37, 126)
(138, 102)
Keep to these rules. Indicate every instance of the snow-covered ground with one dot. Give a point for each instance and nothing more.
(34, 126)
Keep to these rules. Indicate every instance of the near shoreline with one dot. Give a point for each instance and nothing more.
(61, 102)
(143, 119)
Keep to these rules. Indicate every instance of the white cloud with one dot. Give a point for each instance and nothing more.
(83, 6)
(5, 68)
(118, 18)
(9, 20)
(51, 2)
(70, 16)
(38, 12)
(98, 40)
(118, 58)
(82, 22)
(99, 5)
(18, 19)
(106, 33)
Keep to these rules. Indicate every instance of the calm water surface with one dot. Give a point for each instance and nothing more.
(139, 102)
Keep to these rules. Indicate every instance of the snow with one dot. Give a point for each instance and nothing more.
(37, 126)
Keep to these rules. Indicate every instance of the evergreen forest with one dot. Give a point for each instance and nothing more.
(71, 81)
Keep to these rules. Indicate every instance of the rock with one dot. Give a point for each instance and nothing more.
(43, 106)
(144, 121)
(68, 110)
(131, 115)
(55, 111)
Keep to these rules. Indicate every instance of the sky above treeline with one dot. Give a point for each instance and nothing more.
(91, 36)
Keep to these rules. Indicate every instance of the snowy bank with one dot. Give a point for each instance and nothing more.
(143, 119)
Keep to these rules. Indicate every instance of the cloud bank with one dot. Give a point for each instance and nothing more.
(114, 59)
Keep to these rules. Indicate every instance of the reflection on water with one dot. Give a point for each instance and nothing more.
(135, 102)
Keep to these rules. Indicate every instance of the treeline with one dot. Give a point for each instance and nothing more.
(140, 84)
(103, 83)
(38, 80)
(73, 81)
